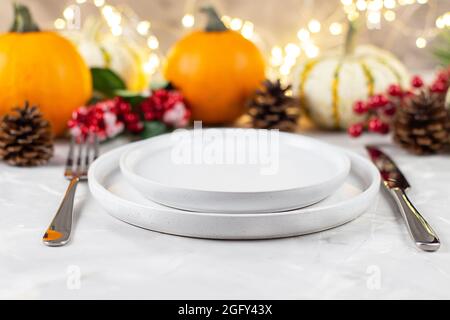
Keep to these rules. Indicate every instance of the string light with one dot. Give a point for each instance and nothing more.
(153, 42)
(314, 26)
(421, 42)
(335, 28)
(303, 34)
(390, 4)
(248, 29)
(143, 27)
(60, 24)
(152, 64)
(69, 13)
(389, 15)
(361, 5)
(188, 20)
(99, 3)
(236, 24)
(282, 58)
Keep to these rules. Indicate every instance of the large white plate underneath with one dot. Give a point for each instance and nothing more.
(119, 199)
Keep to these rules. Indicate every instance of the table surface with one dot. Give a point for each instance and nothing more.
(370, 258)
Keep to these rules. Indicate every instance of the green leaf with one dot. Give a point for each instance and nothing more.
(153, 129)
(135, 99)
(106, 82)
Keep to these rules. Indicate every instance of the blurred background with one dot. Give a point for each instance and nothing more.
(408, 28)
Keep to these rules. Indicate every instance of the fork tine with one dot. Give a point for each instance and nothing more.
(79, 165)
(96, 147)
(69, 163)
(91, 153)
(87, 157)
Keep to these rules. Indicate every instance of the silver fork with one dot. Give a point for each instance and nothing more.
(80, 156)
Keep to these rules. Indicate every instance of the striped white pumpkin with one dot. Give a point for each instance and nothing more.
(328, 86)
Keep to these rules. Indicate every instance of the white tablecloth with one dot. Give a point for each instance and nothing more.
(371, 257)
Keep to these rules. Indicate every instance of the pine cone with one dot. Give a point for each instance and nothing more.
(271, 108)
(25, 138)
(421, 124)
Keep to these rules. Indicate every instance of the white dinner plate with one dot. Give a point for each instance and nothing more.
(119, 199)
(235, 170)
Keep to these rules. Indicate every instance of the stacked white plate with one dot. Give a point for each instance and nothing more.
(234, 184)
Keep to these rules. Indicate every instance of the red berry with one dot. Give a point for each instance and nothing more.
(439, 87)
(443, 76)
(377, 101)
(395, 90)
(384, 128)
(375, 124)
(417, 82)
(355, 130)
(135, 127)
(389, 110)
(360, 107)
(131, 118)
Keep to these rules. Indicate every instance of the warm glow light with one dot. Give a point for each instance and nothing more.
(112, 16)
(143, 27)
(352, 16)
(390, 4)
(421, 42)
(277, 56)
(440, 23)
(375, 5)
(361, 5)
(292, 50)
(303, 34)
(236, 24)
(422, 1)
(153, 42)
(346, 2)
(69, 13)
(81, 1)
(311, 50)
(152, 64)
(335, 28)
(226, 20)
(99, 3)
(116, 30)
(59, 24)
(374, 17)
(188, 21)
(248, 30)
(314, 26)
(389, 15)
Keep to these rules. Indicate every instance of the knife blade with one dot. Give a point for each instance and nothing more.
(397, 185)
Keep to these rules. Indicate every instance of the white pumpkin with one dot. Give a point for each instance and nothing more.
(103, 50)
(328, 86)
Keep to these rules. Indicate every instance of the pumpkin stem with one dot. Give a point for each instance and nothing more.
(23, 21)
(350, 39)
(214, 23)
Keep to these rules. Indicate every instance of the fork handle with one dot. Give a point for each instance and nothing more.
(58, 233)
(421, 232)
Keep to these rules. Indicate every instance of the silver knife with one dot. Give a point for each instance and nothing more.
(397, 185)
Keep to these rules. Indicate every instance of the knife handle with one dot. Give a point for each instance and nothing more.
(422, 233)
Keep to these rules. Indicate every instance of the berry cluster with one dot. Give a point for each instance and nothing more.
(381, 108)
(102, 119)
(106, 119)
(167, 106)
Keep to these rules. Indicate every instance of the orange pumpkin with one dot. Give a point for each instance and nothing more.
(217, 70)
(42, 68)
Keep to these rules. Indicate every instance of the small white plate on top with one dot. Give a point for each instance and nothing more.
(235, 170)
(120, 200)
